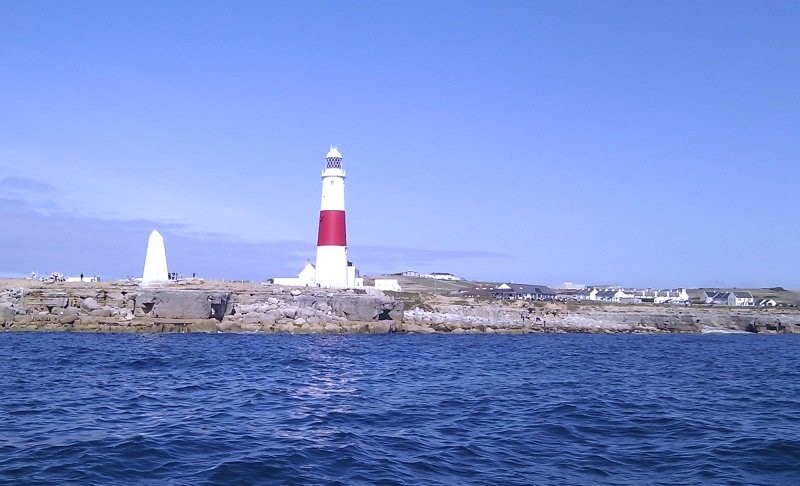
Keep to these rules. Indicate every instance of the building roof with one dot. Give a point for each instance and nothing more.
(527, 289)
(333, 153)
(743, 295)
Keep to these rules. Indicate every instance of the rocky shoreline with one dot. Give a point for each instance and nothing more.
(196, 306)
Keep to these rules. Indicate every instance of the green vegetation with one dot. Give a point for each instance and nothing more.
(412, 300)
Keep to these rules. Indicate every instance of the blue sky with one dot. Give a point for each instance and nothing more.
(640, 143)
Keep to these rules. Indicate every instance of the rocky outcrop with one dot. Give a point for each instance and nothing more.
(120, 307)
(314, 311)
(523, 317)
(117, 307)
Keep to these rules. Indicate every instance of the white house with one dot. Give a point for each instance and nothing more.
(604, 295)
(304, 279)
(766, 303)
(622, 295)
(740, 299)
(585, 294)
(732, 298)
(671, 296)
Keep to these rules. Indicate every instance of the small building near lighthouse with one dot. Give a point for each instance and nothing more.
(332, 269)
(303, 279)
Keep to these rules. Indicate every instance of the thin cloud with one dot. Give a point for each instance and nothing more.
(23, 186)
(379, 259)
(73, 244)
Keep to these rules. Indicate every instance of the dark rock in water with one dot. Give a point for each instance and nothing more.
(773, 325)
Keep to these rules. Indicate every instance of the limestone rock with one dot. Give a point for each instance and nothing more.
(7, 314)
(416, 328)
(380, 327)
(206, 325)
(367, 308)
(307, 312)
(68, 318)
(251, 326)
(89, 304)
(272, 315)
(183, 304)
(308, 328)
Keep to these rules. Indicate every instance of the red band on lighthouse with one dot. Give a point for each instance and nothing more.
(331, 228)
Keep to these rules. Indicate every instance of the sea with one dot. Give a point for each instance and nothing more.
(399, 409)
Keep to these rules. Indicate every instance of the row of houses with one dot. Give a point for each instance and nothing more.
(517, 291)
(633, 296)
(623, 296)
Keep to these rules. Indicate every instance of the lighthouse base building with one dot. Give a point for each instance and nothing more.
(308, 278)
(332, 269)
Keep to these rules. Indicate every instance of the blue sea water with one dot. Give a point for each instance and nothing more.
(399, 409)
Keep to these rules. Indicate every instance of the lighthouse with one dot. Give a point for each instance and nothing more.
(332, 269)
(332, 266)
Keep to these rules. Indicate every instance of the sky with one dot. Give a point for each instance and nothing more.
(646, 144)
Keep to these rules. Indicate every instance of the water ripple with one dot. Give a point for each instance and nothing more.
(543, 409)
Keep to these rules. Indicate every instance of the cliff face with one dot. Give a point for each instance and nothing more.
(198, 307)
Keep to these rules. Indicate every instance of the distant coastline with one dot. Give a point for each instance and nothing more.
(238, 307)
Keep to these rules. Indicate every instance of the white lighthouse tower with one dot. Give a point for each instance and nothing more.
(331, 269)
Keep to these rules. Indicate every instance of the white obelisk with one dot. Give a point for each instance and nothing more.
(332, 238)
(155, 262)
